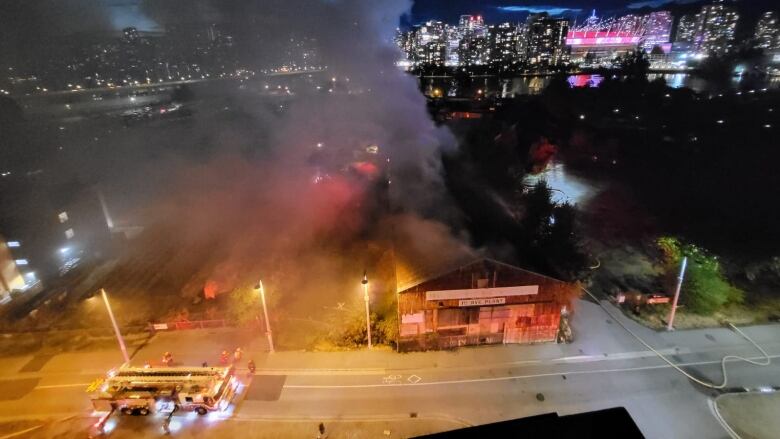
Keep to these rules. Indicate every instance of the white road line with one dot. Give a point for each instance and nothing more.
(60, 386)
(507, 378)
(21, 432)
(356, 418)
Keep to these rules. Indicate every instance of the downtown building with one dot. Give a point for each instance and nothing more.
(473, 48)
(430, 44)
(425, 44)
(546, 41)
(601, 42)
(506, 42)
(481, 302)
(711, 31)
(657, 31)
(767, 35)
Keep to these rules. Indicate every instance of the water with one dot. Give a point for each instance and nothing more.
(566, 188)
(533, 85)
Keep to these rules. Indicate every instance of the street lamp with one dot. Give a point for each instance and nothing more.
(670, 325)
(116, 327)
(260, 288)
(368, 314)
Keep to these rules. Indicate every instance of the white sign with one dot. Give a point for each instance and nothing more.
(480, 302)
(160, 326)
(482, 293)
(412, 318)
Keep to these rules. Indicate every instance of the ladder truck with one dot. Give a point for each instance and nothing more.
(144, 390)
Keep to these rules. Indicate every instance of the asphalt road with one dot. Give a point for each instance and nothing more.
(433, 391)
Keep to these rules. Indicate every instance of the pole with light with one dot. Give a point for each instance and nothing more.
(368, 313)
(261, 289)
(119, 338)
(670, 325)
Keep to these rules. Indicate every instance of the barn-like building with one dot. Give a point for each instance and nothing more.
(481, 302)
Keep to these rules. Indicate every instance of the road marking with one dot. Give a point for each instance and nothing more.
(508, 378)
(391, 379)
(350, 418)
(621, 355)
(21, 432)
(414, 379)
(61, 386)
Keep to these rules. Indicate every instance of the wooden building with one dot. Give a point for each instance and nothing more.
(482, 302)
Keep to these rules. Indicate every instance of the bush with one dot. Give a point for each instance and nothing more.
(349, 328)
(243, 305)
(705, 289)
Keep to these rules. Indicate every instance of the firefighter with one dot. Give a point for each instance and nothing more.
(167, 359)
(223, 358)
(237, 355)
(251, 366)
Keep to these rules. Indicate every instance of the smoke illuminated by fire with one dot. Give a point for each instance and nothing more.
(334, 181)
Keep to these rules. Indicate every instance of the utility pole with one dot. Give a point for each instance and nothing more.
(368, 313)
(116, 327)
(265, 314)
(670, 325)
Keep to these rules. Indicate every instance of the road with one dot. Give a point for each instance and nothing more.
(425, 392)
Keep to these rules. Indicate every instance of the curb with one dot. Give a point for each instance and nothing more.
(713, 403)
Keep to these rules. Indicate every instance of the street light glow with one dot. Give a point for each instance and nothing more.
(368, 313)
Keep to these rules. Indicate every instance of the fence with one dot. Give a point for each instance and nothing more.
(438, 341)
(187, 324)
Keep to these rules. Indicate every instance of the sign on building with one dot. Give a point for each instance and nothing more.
(482, 302)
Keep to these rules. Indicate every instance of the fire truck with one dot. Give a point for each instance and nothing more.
(144, 390)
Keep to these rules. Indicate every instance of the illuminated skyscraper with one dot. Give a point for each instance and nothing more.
(472, 25)
(473, 46)
(718, 23)
(546, 40)
(711, 30)
(657, 29)
(504, 45)
(430, 44)
(452, 36)
(687, 28)
(768, 31)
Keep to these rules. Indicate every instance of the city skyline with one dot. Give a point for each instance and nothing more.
(671, 42)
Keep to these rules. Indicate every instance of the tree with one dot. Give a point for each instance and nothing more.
(562, 245)
(549, 234)
(243, 305)
(635, 64)
(705, 289)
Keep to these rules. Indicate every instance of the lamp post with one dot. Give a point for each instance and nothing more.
(260, 288)
(368, 314)
(116, 327)
(670, 325)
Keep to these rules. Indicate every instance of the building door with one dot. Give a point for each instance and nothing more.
(492, 322)
(516, 329)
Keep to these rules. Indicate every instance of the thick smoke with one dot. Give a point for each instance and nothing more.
(301, 198)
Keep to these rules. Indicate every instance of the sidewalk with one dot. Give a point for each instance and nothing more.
(751, 415)
(596, 335)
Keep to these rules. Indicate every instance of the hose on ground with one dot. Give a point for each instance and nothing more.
(764, 362)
